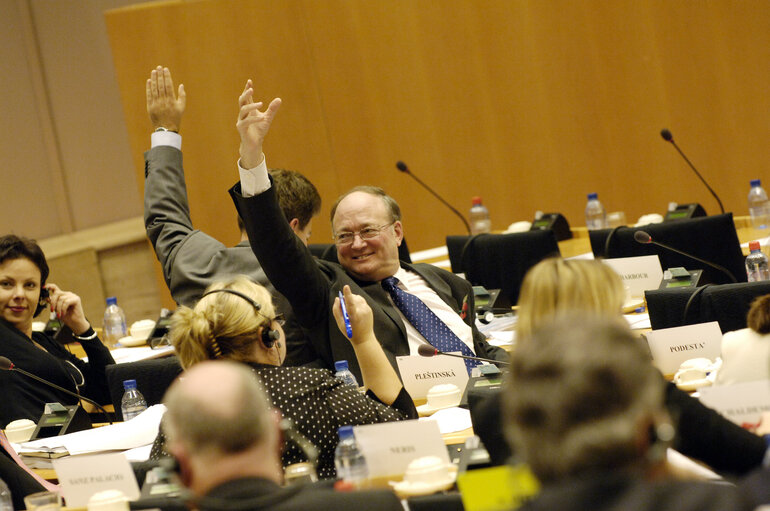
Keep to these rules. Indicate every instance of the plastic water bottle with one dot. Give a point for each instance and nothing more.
(759, 207)
(349, 460)
(343, 373)
(596, 217)
(479, 216)
(114, 322)
(133, 402)
(756, 264)
(6, 502)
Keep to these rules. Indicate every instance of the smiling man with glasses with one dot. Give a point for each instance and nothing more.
(411, 304)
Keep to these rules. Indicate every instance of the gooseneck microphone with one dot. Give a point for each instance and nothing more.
(403, 168)
(668, 137)
(644, 238)
(426, 350)
(7, 365)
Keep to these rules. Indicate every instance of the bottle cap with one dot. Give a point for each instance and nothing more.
(129, 384)
(112, 300)
(346, 432)
(754, 245)
(341, 365)
(593, 196)
(476, 201)
(755, 182)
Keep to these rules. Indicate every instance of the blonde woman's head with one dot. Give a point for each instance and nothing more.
(555, 287)
(226, 326)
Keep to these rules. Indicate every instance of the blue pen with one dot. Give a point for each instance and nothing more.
(345, 317)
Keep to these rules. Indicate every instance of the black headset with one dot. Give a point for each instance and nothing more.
(42, 301)
(269, 335)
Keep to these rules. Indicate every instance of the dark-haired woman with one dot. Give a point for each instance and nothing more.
(746, 352)
(23, 295)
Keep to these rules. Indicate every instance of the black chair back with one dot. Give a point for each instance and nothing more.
(500, 261)
(153, 378)
(728, 304)
(712, 238)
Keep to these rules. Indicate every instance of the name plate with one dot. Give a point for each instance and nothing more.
(672, 346)
(419, 374)
(391, 446)
(637, 273)
(739, 402)
(82, 476)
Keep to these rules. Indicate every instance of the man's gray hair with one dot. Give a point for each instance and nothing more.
(238, 420)
(578, 390)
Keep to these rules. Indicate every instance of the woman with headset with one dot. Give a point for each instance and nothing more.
(23, 295)
(236, 320)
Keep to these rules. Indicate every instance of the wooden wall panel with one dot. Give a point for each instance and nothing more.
(530, 104)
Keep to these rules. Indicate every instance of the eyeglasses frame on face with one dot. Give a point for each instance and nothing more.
(377, 231)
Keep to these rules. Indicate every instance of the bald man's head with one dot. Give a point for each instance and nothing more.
(217, 406)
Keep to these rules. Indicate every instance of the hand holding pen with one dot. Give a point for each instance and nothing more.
(353, 315)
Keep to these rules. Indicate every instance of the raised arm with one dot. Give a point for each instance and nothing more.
(379, 376)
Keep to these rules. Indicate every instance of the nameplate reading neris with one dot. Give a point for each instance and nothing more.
(391, 446)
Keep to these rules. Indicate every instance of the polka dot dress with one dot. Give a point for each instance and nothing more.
(319, 404)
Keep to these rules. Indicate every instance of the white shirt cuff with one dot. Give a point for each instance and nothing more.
(254, 181)
(159, 138)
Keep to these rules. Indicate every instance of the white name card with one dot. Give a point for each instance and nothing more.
(391, 446)
(82, 476)
(419, 374)
(638, 273)
(672, 346)
(739, 402)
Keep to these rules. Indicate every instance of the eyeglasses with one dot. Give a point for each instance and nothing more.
(367, 233)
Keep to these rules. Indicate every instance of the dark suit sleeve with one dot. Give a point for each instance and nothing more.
(94, 371)
(288, 263)
(19, 482)
(705, 435)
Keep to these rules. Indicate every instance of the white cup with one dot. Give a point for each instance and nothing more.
(20, 430)
(108, 500)
(690, 375)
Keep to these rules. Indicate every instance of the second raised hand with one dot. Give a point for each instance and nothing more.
(253, 125)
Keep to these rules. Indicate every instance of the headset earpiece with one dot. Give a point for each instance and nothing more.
(42, 302)
(269, 336)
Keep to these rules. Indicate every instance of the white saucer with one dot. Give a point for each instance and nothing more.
(690, 386)
(130, 342)
(408, 489)
(426, 410)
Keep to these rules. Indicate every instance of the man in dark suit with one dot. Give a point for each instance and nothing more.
(190, 258)
(367, 230)
(227, 443)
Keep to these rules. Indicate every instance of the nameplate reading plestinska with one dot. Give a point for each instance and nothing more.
(739, 402)
(391, 446)
(672, 346)
(82, 476)
(419, 374)
(637, 273)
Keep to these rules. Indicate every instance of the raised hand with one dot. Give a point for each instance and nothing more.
(253, 125)
(68, 308)
(361, 318)
(163, 105)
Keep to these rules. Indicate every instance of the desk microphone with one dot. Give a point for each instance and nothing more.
(668, 137)
(7, 365)
(426, 350)
(644, 238)
(403, 168)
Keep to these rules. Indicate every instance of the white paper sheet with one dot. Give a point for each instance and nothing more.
(139, 431)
